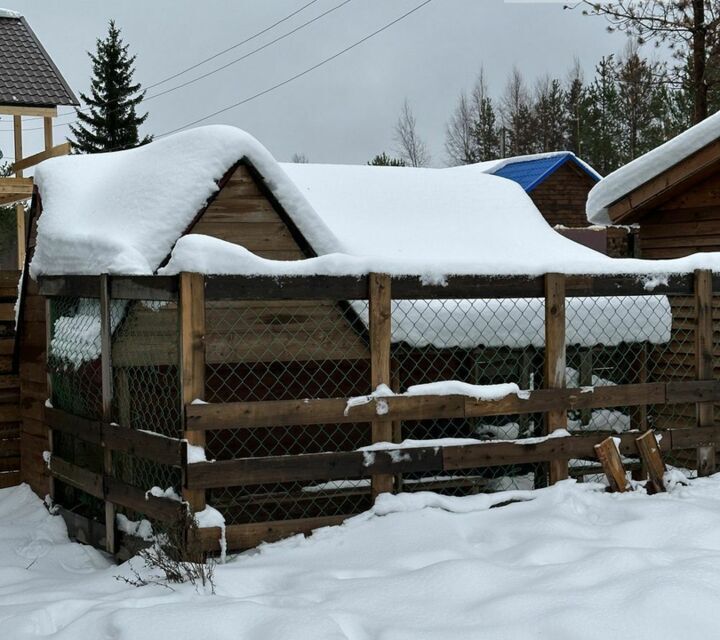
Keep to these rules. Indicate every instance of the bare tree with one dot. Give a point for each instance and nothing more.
(691, 29)
(472, 134)
(410, 146)
(299, 158)
(517, 116)
(459, 139)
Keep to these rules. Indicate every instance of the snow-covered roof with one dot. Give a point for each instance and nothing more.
(9, 13)
(124, 212)
(530, 170)
(636, 173)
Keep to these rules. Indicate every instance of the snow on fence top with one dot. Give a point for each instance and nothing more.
(636, 173)
(124, 212)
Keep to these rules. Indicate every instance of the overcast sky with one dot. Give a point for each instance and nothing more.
(343, 111)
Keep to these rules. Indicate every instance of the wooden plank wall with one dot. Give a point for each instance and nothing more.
(33, 383)
(9, 384)
(686, 224)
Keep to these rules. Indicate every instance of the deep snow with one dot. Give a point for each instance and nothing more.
(569, 562)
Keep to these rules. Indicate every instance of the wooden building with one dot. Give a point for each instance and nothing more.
(124, 348)
(31, 89)
(559, 183)
(673, 194)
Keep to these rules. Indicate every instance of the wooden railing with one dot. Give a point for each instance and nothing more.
(192, 291)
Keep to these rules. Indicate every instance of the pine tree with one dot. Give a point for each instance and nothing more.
(575, 109)
(112, 122)
(600, 147)
(384, 160)
(549, 115)
(518, 118)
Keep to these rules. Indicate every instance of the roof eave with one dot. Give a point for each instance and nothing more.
(633, 205)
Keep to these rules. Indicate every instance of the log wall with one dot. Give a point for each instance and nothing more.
(9, 384)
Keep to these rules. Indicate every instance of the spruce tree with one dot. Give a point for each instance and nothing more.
(112, 121)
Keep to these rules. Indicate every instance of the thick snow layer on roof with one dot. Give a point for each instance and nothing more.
(9, 13)
(122, 212)
(636, 173)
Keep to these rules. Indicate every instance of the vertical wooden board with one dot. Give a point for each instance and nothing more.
(192, 353)
(48, 132)
(107, 395)
(380, 295)
(704, 362)
(555, 359)
(611, 461)
(652, 460)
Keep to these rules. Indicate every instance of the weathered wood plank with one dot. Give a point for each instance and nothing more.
(107, 398)
(124, 495)
(652, 460)
(247, 536)
(192, 354)
(87, 481)
(278, 413)
(609, 457)
(311, 466)
(380, 315)
(704, 360)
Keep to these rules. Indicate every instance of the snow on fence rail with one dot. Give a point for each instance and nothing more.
(256, 374)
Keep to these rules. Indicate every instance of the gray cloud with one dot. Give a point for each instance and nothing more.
(344, 111)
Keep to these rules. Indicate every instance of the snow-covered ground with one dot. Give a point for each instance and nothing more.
(567, 562)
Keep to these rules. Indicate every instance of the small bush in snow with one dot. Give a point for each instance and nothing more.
(176, 552)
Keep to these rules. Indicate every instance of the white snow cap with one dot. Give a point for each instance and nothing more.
(636, 173)
(9, 13)
(123, 213)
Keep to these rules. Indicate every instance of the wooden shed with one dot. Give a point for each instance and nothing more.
(559, 183)
(250, 391)
(673, 194)
(31, 89)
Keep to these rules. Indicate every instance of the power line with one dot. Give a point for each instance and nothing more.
(202, 62)
(298, 75)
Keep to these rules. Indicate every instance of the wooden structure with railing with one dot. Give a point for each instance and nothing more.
(31, 89)
(168, 370)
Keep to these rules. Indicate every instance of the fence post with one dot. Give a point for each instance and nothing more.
(107, 397)
(555, 359)
(379, 295)
(48, 386)
(704, 363)
(192, 353)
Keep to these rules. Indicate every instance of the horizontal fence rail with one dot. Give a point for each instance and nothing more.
(283, 463)
(164, 288)
(280, 413)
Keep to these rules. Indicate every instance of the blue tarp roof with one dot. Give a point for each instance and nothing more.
(531, 172)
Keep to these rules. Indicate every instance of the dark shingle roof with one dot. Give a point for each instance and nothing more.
(28, 76)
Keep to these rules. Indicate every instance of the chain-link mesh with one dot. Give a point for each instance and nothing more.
(283, 350)
(146, 380)
(75, 377)
(480, 342)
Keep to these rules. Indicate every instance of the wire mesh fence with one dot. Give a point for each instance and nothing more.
(292, 349)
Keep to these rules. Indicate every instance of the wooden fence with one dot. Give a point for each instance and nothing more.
(9, 384)
(193, 292)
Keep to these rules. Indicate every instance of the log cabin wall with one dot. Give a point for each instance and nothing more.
(9, 384)
(33, 382)
(686, 224)
(561, 198)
